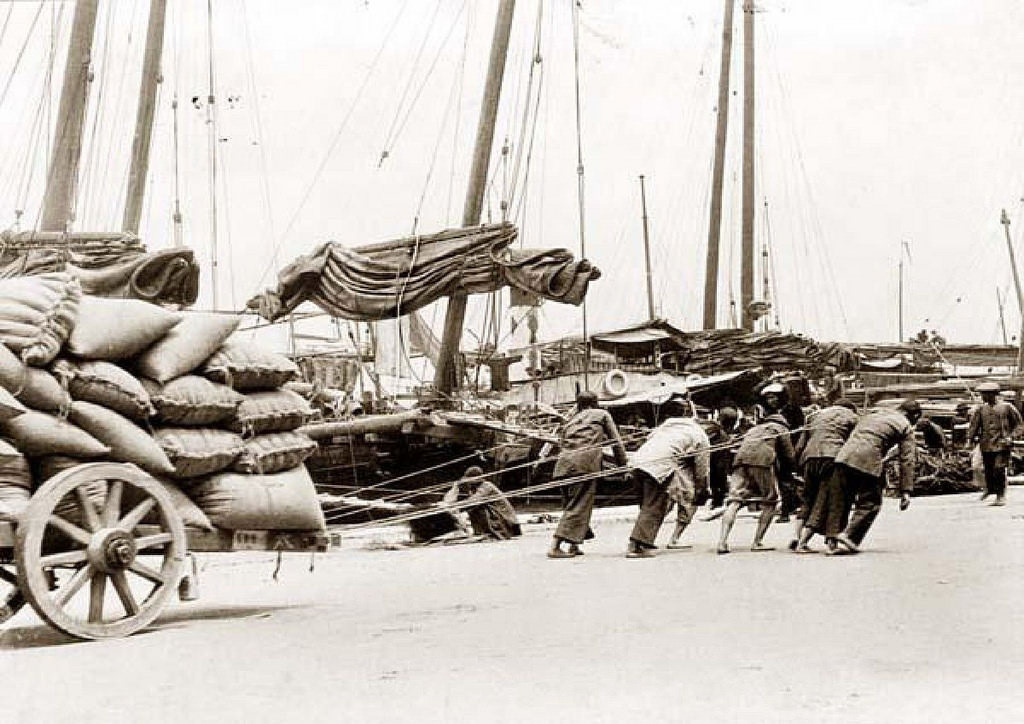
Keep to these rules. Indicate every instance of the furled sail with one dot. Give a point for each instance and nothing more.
(393, 278)
(106, 264)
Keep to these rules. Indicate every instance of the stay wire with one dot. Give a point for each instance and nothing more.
(385, 152)
(334, 142)
(12, 74)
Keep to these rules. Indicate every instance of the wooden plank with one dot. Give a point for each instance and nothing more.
(365, 424)
(224, 541)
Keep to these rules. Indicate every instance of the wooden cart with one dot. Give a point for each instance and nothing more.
(134, 542)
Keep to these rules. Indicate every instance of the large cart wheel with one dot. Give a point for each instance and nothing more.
(84, 526)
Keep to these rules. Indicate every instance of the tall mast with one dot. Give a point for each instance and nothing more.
(899, 301)
(718, 174)
(747, 234)
(62, 177)
(647, 251)
(211, 127)
(151, 78)
(1005, 221)
(446, 377)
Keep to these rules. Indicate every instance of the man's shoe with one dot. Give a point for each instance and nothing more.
(722, 550)
(559, 553)
(575, 550)
(804, 549)
(984, 495)
(639, 553)
(757, 548)
(679, 546)
(844, 540)
(793, 544)
(1000, 500)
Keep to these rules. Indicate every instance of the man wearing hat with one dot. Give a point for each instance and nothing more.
(580, 442)
(490, 513)
(859, 469)
(993, 426)
(673, 465)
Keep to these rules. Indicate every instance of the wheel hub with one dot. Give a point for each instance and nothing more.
(112, 550)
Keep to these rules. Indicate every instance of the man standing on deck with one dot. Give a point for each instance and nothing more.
(765, 455)
(993, 427)
(827, 431)
(860, 469)
(581, 440)
(673, 465)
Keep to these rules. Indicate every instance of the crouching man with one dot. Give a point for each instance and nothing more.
(673, 465)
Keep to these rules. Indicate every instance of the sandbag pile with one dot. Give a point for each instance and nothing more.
(170, 392)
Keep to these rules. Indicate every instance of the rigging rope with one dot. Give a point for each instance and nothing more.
(408, 84)
(551, 484)
(334, 142)
(258, 132)
(21, 51)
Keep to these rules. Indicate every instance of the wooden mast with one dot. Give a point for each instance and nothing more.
(62, 177)
(1005, 221)
(446, 378)
(899, 301)
(718, 174)
(647, 250)
(747, 234)
(151, 79)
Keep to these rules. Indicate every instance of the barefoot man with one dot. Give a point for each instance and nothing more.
(765, 455)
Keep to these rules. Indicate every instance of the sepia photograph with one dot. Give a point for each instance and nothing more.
(597, 361)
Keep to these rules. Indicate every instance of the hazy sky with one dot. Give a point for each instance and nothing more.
(878, 121)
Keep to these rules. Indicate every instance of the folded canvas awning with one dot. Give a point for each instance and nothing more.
(398, 277)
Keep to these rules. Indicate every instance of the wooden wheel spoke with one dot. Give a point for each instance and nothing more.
(97, 590)
(73, 586)
(124, 592)
(112, 506)
(9, 576)
(152, 541)
(63, 559)
(69, 529)
(92, 518)
(150, 574)
(137, 514)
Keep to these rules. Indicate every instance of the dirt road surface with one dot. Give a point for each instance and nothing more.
(927, 625)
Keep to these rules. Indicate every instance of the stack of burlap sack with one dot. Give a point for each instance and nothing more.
(85, 379)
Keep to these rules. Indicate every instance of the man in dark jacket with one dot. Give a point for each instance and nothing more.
(581, 440)
(720, 434)
(993, 427)
(860, 468)
(765, 455)
(827, 431)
